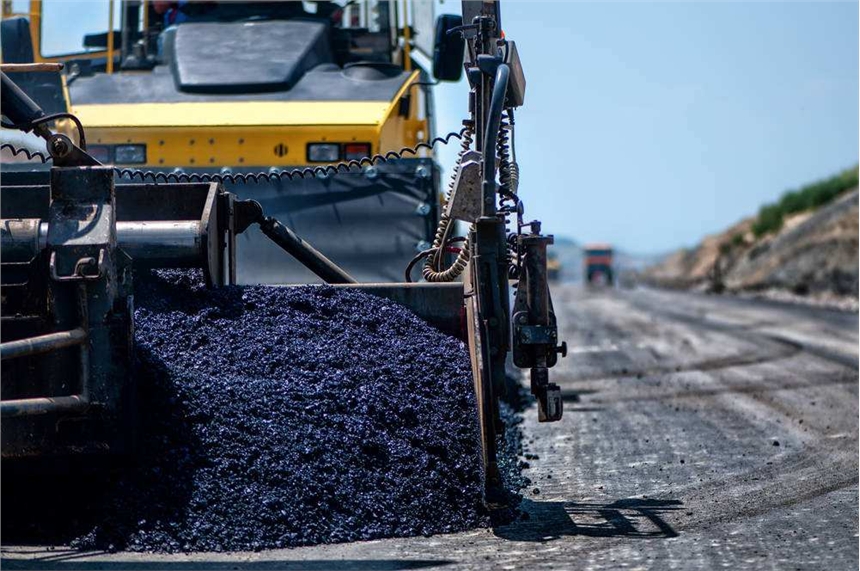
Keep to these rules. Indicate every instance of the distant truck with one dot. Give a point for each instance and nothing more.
(598, 265)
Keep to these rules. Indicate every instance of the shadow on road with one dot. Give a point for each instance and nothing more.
(632, 517)
(73, 561)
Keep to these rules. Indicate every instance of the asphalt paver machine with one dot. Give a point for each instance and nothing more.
(70, 245)
(240, 88)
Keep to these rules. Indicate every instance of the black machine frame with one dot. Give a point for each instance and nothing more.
(76, 243)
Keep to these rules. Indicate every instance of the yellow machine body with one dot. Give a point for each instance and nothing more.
(373, 223)
(236, 134)
(244, 134)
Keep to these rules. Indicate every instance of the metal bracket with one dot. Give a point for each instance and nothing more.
(537, 334)
(67, 154)
(245, 213)
(541, 338)
(79, 272)
(550, 407)
(465, 200)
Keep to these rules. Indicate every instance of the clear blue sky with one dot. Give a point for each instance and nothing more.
(648, 125)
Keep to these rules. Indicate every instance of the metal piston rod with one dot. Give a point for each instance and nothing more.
(309, 256)
(167, 243)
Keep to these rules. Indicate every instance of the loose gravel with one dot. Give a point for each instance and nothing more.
(278, 417)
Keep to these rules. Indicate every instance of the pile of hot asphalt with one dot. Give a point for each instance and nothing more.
(277, 417)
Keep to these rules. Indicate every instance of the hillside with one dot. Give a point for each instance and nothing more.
(806, 243)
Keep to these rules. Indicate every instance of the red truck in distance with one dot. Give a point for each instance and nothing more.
(598, 265)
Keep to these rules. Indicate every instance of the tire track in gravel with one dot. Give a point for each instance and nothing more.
(749, 331)
(822, 466)
(772, 349)
(781, 483)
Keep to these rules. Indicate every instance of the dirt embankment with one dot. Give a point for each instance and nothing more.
(814, 252)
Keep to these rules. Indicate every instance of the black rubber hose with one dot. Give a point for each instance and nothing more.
(420, 256)
(82, 137)
(494, 121)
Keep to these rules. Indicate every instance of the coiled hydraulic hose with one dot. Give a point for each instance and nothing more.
(432, 271)
(491, 137)
(498, 138)
(509, 171)
(30, 154)
(509, 182)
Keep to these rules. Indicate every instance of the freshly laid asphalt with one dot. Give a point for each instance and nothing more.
(700, 432)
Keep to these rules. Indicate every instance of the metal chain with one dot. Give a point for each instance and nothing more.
(432, 272)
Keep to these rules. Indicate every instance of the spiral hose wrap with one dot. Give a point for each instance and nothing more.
(509, 171)
(432, 270)
(26, 152)
(509, 182)
(256, 177)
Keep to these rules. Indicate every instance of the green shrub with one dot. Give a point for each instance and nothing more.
(809, 197)
(769, 220)
(793, 202)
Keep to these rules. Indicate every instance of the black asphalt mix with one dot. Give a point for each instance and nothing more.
(277, 417)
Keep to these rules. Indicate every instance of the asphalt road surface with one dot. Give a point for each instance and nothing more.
(699, 433)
